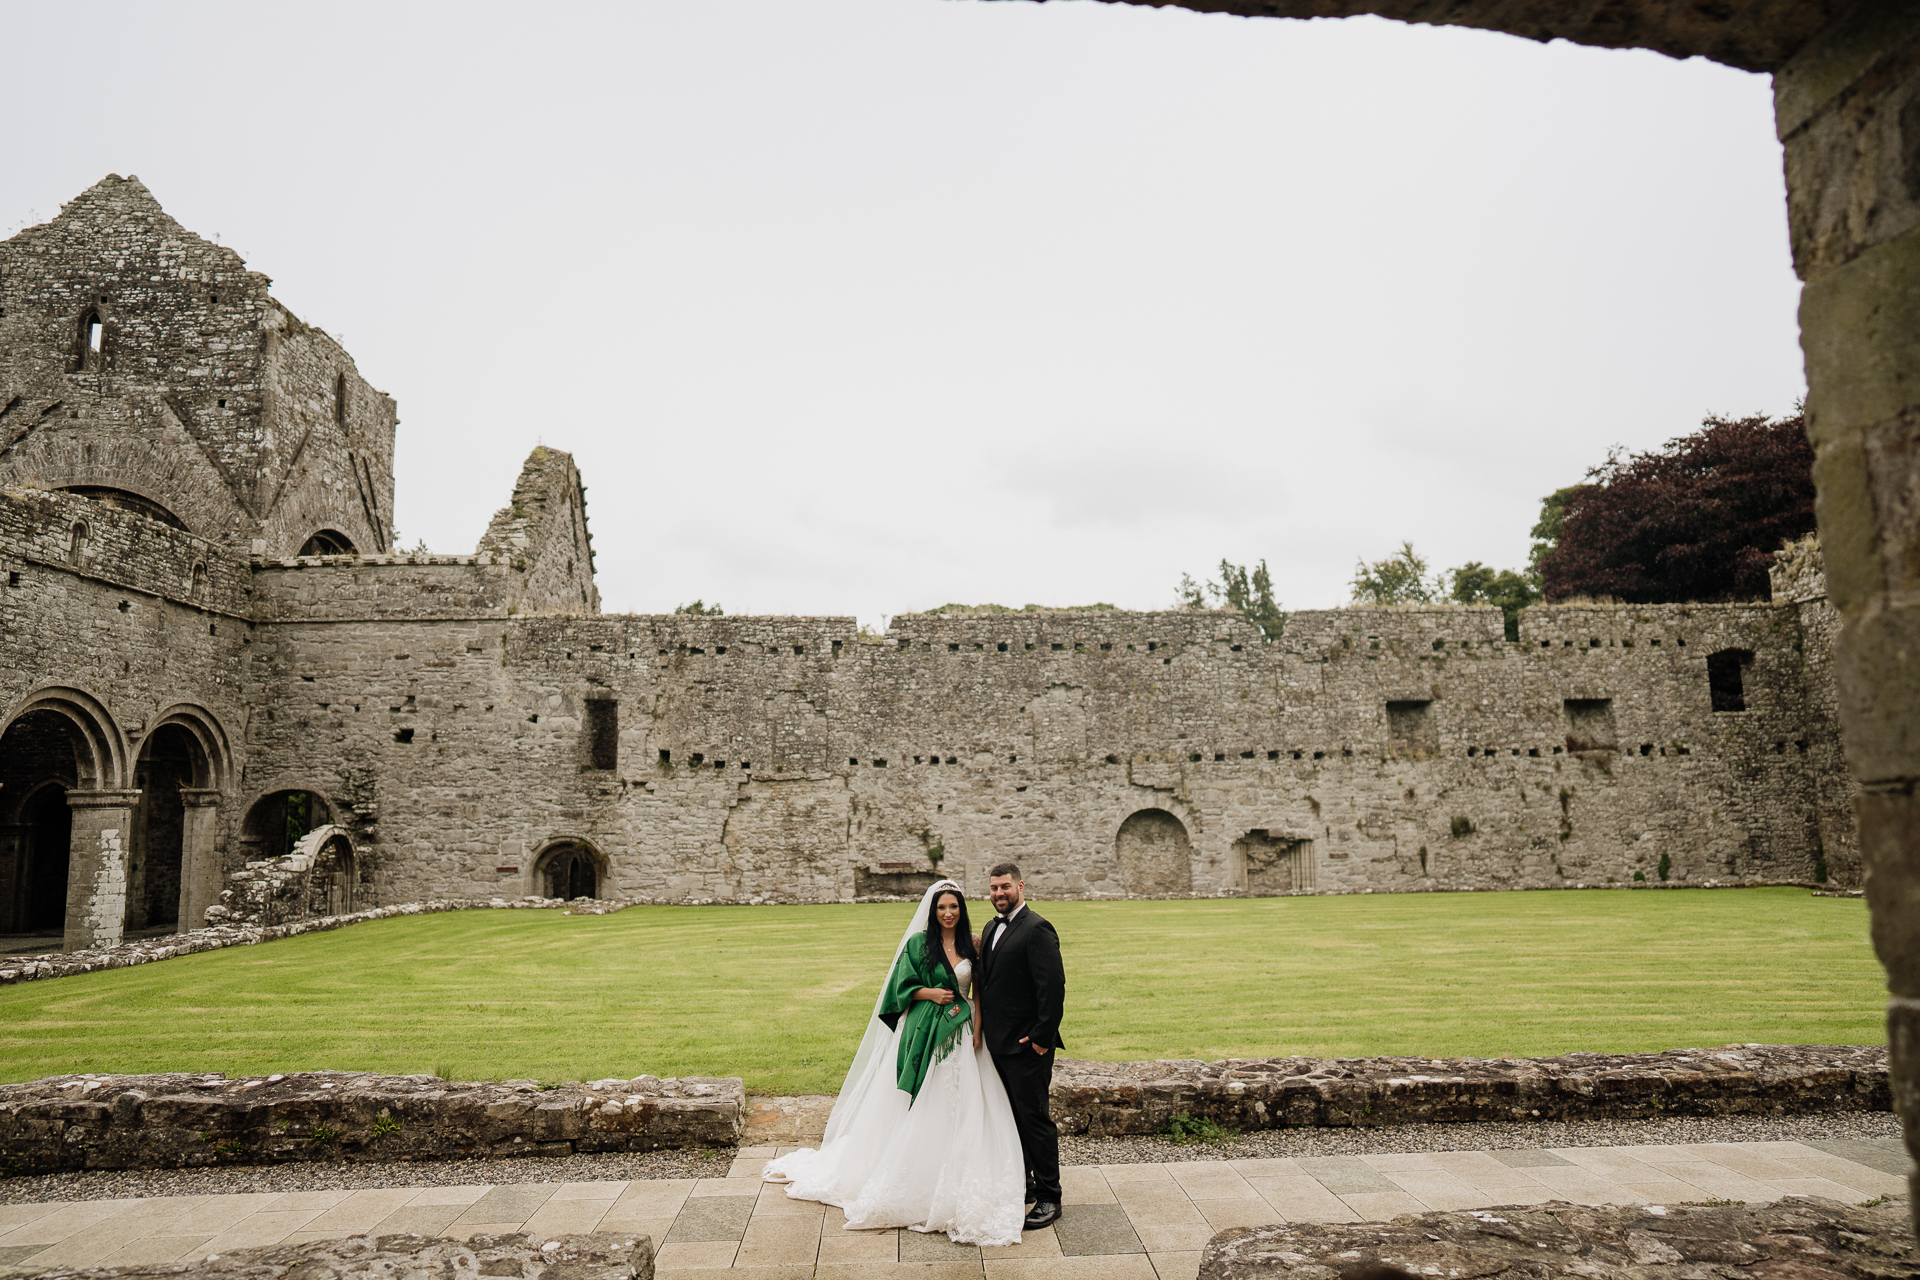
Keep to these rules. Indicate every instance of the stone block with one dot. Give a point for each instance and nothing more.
(600, 1256)
(172, 1121)
(1803, 1237)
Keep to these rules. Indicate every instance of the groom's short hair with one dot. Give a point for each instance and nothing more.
(1005, 869)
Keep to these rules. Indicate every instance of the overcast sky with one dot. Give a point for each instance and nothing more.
(864, 306)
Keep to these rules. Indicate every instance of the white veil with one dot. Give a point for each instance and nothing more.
(872, 1063)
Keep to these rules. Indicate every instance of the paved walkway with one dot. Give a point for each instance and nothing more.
(1121, 1222)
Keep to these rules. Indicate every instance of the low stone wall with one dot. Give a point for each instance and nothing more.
(1111, 1098)
(1799, 1238)
(576, 1257)
(175, 1121)
(61, 964)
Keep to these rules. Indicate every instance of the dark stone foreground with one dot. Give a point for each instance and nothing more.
(1796, 1239)
(173, 1121)
(593, 1257)
(1105, 1099)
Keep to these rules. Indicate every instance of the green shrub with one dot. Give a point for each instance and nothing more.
(1183, 1128)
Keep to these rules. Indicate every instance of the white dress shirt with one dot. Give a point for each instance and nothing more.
(1006, 922)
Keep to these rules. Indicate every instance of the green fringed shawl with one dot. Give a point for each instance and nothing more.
(929, 1031)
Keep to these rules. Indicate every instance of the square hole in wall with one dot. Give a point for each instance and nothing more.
(403, 735)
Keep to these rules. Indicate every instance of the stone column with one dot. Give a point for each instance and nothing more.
(200, 871)
(13, 872)
(97, 868)
(1848, 110)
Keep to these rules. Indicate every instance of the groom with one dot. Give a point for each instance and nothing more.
(1022, 989)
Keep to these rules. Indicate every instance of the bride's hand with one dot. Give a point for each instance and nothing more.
(939, 995)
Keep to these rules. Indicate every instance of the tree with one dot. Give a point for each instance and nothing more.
(1475, 583)
(1697, 520)
(700, 609)
(1546, 530)
(1401, 578)
(1249, 591)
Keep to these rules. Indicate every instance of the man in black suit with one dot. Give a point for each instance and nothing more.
(1023, 988)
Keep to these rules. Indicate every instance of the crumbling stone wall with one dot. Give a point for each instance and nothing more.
(137, 356)
(543, 533)
(794, 760)
(115, 626)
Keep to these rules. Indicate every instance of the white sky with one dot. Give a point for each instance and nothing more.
(862, 306)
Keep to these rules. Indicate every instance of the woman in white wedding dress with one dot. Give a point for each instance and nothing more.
(922, 1135)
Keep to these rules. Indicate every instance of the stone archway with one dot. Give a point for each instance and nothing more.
(334, 877)
(277, 820)
(1155, 854)
(569, 868)
(61, 742)
(169, 765)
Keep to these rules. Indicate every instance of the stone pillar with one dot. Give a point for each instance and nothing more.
(97, 868)
(200, 871)
(1847, 106)
(13, 874)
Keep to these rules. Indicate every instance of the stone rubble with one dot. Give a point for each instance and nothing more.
(571, 1257)
(169, 1121)
(1799, 1238)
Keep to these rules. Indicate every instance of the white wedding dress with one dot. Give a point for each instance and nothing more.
(948, 1160)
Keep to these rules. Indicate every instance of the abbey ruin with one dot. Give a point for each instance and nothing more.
(215, 656)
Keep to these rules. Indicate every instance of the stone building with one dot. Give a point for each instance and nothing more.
(214, 657)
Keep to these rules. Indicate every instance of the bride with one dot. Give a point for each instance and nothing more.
(922, 1135)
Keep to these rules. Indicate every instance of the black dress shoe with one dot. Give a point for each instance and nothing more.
(1044, 1214)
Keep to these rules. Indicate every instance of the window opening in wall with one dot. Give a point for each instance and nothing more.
(602, 734)
(340, 400)
(1002, 646)
(77, 544)
(1726, 684)
(666, 756)
(699, 758)
(1410, 728)
(403, 735)
(13, 579)
(328, 542)
(799, 650)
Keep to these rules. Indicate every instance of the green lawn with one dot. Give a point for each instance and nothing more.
(778, 994)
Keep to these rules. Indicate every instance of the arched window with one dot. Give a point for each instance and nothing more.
(328, 542)
(340, 400)
(77, 543)
(89, 341)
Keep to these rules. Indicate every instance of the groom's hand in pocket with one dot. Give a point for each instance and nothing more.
(1036, 1048)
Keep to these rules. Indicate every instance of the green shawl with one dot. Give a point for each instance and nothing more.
(929, 1031)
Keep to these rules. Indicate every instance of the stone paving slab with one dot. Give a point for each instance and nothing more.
(1138, 1221)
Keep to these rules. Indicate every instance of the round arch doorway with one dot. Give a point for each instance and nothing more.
(568, 869)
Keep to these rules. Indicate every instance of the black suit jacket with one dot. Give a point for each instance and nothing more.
(1023, 985)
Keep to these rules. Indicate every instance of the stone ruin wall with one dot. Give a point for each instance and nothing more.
(799, 755)
(118, 632)
(206, 396)
(463, 716)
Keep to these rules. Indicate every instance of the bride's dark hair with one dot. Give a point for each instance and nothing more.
(962, 932)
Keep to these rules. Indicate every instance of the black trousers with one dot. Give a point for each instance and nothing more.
(1028, 1077)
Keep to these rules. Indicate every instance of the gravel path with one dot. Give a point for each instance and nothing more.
(1491, 1135)
(120, 1184)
